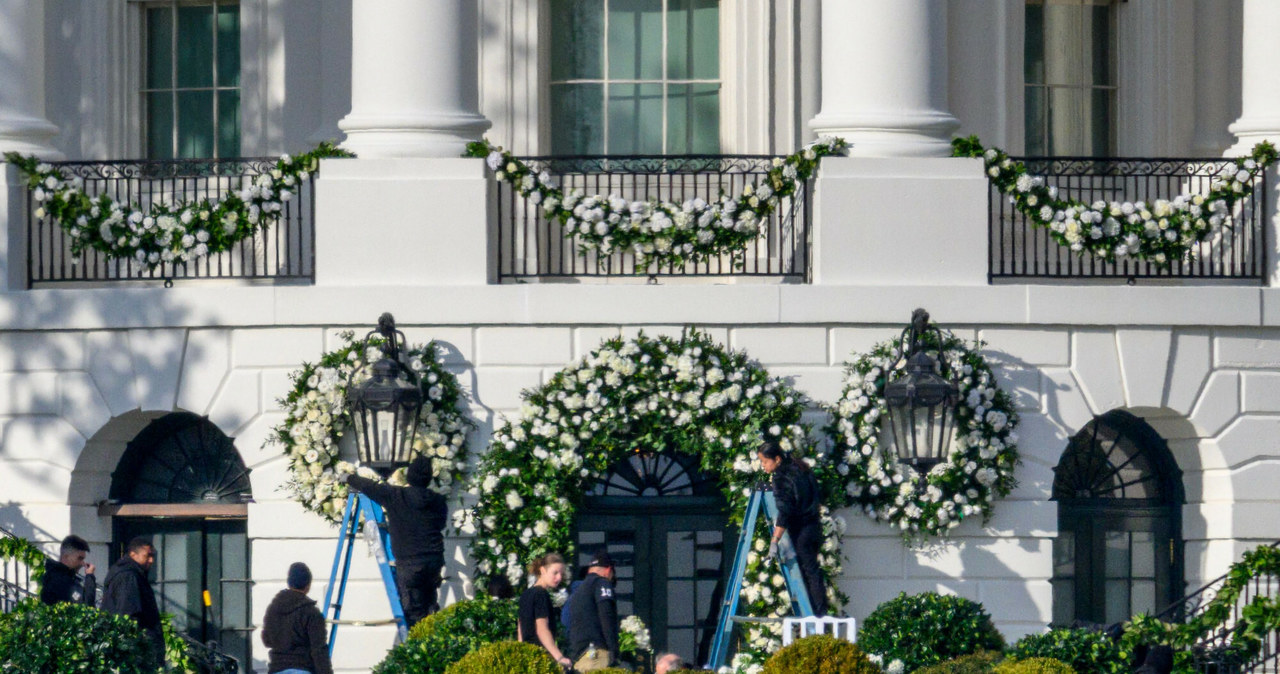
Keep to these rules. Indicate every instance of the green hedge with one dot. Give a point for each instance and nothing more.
(928, 628)
(1033, 666)
(981, 662)
(36, 638)
(1085, 651)
(820, 654)
(443, 638)
(510, 657)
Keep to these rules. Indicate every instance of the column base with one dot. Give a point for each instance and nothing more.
(29, 135)
(406, 136)
(1250, 132)
(886, 134)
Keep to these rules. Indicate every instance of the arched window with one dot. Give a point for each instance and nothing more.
(1119, 546)
(181, 458)
(655, 474)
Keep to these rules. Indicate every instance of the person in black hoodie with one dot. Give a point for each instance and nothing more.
(795, 488)
(62, 582)
(417, 516)
(293, 629)
(127, 591)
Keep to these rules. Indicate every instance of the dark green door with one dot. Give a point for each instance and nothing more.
(194, 556)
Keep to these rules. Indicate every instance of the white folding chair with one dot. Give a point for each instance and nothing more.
(840, 628)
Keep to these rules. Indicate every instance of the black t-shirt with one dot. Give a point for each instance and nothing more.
(536, 603)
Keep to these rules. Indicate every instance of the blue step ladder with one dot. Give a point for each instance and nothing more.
(800, 606)
(361, 509)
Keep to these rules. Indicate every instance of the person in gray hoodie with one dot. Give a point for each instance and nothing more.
(293, 629)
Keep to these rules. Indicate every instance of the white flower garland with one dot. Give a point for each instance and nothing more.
(983, 452)
(686, 395)
(168, 232)
(316, 417)
(1160, 232)
(661, 232)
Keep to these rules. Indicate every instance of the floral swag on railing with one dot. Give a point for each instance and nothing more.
(661, 232)
(167, 232)
(1161, 232)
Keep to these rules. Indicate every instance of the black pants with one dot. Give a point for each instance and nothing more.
(418, 582)
(808, 541)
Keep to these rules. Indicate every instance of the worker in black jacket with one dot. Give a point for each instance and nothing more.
(795, 488)
(62, 582)
(127, 591)
(593, 631)
(416, 516)
(293, 628)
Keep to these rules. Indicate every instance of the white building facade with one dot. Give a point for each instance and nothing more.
(1179, 375)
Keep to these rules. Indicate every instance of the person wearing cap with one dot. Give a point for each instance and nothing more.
(593, 633)
(293, 629)
(416, 516)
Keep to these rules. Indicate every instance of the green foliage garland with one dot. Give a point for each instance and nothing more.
(167, 232)
(820, 654)
(689, 396)
(983, 454)
(37, 638)
(928, 628)
(1160, 232)
(1259, 618)
(506, 656)
(661, 232)
(316, 417)
(1086, 651)
(25, 552)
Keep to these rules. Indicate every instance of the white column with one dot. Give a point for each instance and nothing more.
(884, 77)
(23, 127)
(414, 78)
(1259, 78)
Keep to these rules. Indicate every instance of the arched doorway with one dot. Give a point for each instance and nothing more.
(665, 525)
(1119, 546)
(182, 484)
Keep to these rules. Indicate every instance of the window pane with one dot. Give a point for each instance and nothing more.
(635, 119)
(679, 112)
(693, 119)
(1144, 598)
(1064, 554)
(1033, 44)
(1064, 601)
(159, 47)
(577, 39)
(1035, 118)
(577, 121)
(228, 123)
(1102, 106)
(635, 39)
(195, 46)
(1117, 608)
(228, 45)
(1117, 552)
(195, 124)
(160, 125)
(1065, 121)
(1144, 555)
(1063, 43)
(1099, 44)
(693, 40)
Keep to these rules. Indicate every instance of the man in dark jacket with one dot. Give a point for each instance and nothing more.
(593, 632)
(416, 516)
(127, 591)
(796, 491)
(62, 576)
(293, 629)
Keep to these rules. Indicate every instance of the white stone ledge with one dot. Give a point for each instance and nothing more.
(674, 305)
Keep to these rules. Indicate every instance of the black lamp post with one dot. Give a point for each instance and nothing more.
(384, 407)
(921, 398)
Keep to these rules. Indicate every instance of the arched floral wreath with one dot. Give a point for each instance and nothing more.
(168, 232)
(661, 232)
(687, 395)
(983, 453)
(1160, 232)
(316, 417)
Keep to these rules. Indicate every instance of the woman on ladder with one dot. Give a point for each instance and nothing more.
(795, 488)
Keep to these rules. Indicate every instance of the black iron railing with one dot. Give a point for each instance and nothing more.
(282, 252)
(16, 583)
(1020, 249)
(1217, 653)
(529, 247)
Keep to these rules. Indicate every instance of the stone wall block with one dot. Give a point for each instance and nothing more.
(783, 346)
(1256, 481)
(28, 393)
(251, 443)
(276, 347)
(1190, 362)
(238, 401)
(1028, 346)
(31, 351)
(524, 346)
(1096, 363)
(41, 438)
(1065, 404)
(847, 344)
(498, 388)
(81, 404)
(27, 481)
(276, 384)
(1261, 391)
(456, 344)
(1218, 403)
(1249, 439)
(157, 363)
(1024, 602)
(204, 367)
(1022, 384)
(718, 334)
(1145, 354)
(1017, 517)
(874, 557)
(1041, 439)
(1246, 348)
(821, 384)
(110, 363)
(982, 558)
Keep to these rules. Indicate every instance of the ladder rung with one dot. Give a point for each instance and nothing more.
(361, 623)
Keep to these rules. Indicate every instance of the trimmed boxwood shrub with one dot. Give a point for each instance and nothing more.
(928, 628)
(981, 662)
(443, 638)
(1085, 651)
(506, 656)
(820, 654)
(1033, 666)
(36, 638)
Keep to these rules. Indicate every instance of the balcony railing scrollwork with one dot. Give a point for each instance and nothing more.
(284, 251)
(1020, 249)
(530, 248)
